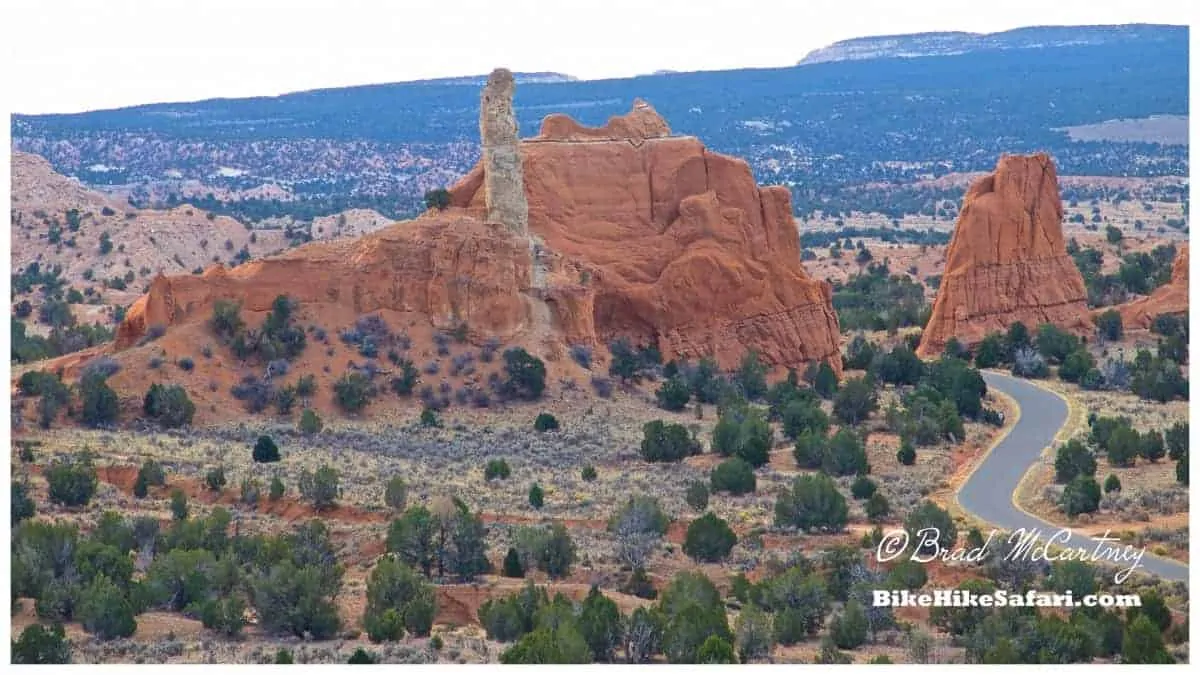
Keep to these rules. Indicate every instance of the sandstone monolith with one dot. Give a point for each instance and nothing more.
(1007, 261)
(504, 187)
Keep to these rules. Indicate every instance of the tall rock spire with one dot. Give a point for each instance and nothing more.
(504, 186)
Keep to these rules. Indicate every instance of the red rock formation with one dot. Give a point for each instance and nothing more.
(449, 269)
(1170, 298)
(1007, 261)
(680, 245)
(651, 238)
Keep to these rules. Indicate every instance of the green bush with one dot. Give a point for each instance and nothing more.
(697, 495)
(1112, 484)
(1073, 459)
(545, 422)
(537, 496)
(496, 468)
(662, 442)
(104, 612)
(929, 515)
(863, 488)
(99, 402)
(709, 539)
(1082, 495)
(310, 423)
(799, 416)
(855, 401)
(395, 494)
(907, 454)
(743, 432)
(169, 405)
(1108, 325)
(321, 488)
(22, 504)
(674, 394)
(845, 455)
(398, 600)
(353, 391)
(588, 473)
(179, 505)
(215, 479)
(265, 450)
(276, 489)
(734, 475)
(849, 629)
(40, 645)
(525, 375)
(715, 650)
(512, 565)
(71, 482)
(812, 503)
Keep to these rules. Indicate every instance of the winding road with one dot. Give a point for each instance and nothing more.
(989, 491)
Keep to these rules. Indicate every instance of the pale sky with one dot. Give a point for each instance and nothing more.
(74, 55)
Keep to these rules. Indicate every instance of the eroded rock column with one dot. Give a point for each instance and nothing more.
(504, 187)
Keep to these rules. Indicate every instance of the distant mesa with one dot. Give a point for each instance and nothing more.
(952, 43)
(1170, 298)
(1007, 261)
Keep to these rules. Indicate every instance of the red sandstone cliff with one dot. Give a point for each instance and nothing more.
(631, 234)
(1007, 261)
(1170, 298)
(682, 246)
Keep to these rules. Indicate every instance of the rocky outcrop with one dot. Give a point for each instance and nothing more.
(1007, 261)
(447, 270)
(504, 189)
(631, 233)
(679, 245)
(639, 124)
(1170, 298)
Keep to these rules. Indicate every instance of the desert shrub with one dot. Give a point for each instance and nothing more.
(907, 454)
(215, 479)
(663, 442)
(992, 351)
(168, 405)
(408, 379)
(41, 645)
(582, 354)
(545, 422)
(1176, 438)
(929, 515)
(1054, 343)
(588, 473)
(99, 405)
(265, 450)
(250, 491)
(398, 600)
(537, 496)
(395, 494)
(863, 487)
(812, 503)
(860, 352)
(742, 431)
(734, 475)
(320, 487)
(1073, 459)
(855, 401)
(602, 386)
(71, 482)
(845, 455)
(709, 539)
(751, 376)
(179, 505)
(1076, 365)
(849, 628)
(877, 507)
(513, 568)
(1108, 325)
(800, 415)
(697, 495)
(496, 468)
(550, 549)
(899, 366)
(429, 418)
(525, 375)
(104, 612)
(1112, 484)
(310, 423)
(276, 489)
(1082, 495)
(353, 391)
(673, 395)
(1029, 363)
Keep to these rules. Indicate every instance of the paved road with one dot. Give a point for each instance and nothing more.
(988, 493)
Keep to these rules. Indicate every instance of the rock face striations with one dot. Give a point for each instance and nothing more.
(1170, 298)
(679, 245)
(1007, 261)
(575, 237)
